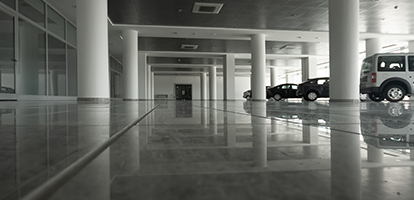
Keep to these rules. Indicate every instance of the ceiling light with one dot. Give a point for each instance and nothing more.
(189, 46)
(207, 8)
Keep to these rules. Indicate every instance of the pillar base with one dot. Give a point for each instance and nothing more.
(94, 100)
(345, 100)
(130, 99)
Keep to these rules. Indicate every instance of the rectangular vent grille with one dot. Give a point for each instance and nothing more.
(189, 46)
(207, 8)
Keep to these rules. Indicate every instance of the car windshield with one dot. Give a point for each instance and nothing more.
(366, 65)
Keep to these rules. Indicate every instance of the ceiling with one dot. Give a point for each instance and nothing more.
(293, 29)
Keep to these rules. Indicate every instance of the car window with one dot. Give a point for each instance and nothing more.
(321, 81)
(285, 87)
(411, 63)
(295, 87)
(391, 63)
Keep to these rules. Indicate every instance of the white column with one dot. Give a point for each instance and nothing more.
(309, 68)
(142, 76)
(229, 77)
(373, 46)
(130, 64)
(258, 77)
(213, 82)
(343, 45)
(273, 73)
(203, 86)
(152, 85)
(149, 82)
(93, 60)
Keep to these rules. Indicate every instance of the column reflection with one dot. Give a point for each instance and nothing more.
(258, 120)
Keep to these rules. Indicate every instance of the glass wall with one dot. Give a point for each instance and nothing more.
(71, 34)
(10, 3)
(32, 59)
(116, 78)
(34, 10)
(7, 76)
(55, 23)
(72, 71)
(56, 67)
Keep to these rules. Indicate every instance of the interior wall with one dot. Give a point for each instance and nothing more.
(164, 86)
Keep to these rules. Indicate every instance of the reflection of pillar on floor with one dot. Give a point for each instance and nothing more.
(345, 156)
(375, 154)
(411, 154)
(311, 152)
(229, 126)
(310, 134)
(204, 114)
(259, 133)
(213, 118)
(273, 129)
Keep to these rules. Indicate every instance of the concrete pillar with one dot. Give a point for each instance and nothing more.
(203, 86)
(258, 77)
(213, 83)
(92, 43)
(344, 48)
(149, 83)
(309, 68)
(130, 64)
(373, 46)
(152, 85)
(229, 77)
(142, 76)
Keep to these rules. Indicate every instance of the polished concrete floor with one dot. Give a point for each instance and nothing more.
(209, 150)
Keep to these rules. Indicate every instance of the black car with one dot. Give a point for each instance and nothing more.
(311, 89)
(248, 94)
(283, 91)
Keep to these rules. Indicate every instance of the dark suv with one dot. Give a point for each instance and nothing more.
(311, 89)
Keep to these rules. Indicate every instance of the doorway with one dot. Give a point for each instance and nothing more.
(183, 92)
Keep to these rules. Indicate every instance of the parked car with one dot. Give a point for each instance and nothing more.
(387, 75)
(311, 89)
(279, 92)
(6, 90)
(248, 94)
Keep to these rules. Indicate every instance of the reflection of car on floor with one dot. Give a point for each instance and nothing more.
(387, 126)
(283, 91)
(314, 88)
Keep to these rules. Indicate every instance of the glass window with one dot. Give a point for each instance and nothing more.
(366, 65)
(285, 87)
(391, 63)
(411, 63)
(34, 10)
(295, 87)
(7, 75)
(72, 72)
(71, 34)
(56, 67)
(55, 23)
(32, 59)
(10, 3)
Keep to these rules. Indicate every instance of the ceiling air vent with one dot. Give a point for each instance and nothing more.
(189, 46)
(287, 47)
(207, 8)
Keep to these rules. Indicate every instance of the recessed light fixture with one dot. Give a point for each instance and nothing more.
(207, 8)
(175, 33)
(189, 46)
(299, 36)
(121, 37)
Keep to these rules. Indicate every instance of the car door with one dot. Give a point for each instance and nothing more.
(292, 91)
(284, 91)
(325, 88)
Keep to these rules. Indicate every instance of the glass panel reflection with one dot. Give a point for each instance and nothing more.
(34, 10)
(32, 59)
(57, 67)
(10, 3)
(7, 76)
(55, 23)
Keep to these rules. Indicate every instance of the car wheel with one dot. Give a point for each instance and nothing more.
(277, 97)
(311, 96)
(375, 98)
(394, 93)
(248, 98)
(362, 97)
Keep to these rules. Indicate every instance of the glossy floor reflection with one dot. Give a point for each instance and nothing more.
(211, 150)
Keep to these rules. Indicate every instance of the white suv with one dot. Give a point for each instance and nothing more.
(387, 75)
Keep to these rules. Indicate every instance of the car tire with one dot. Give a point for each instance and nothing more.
(248, 98)
(375, 98)
(394, 93)
(311, 96)
(277, 97)
(362, 97)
